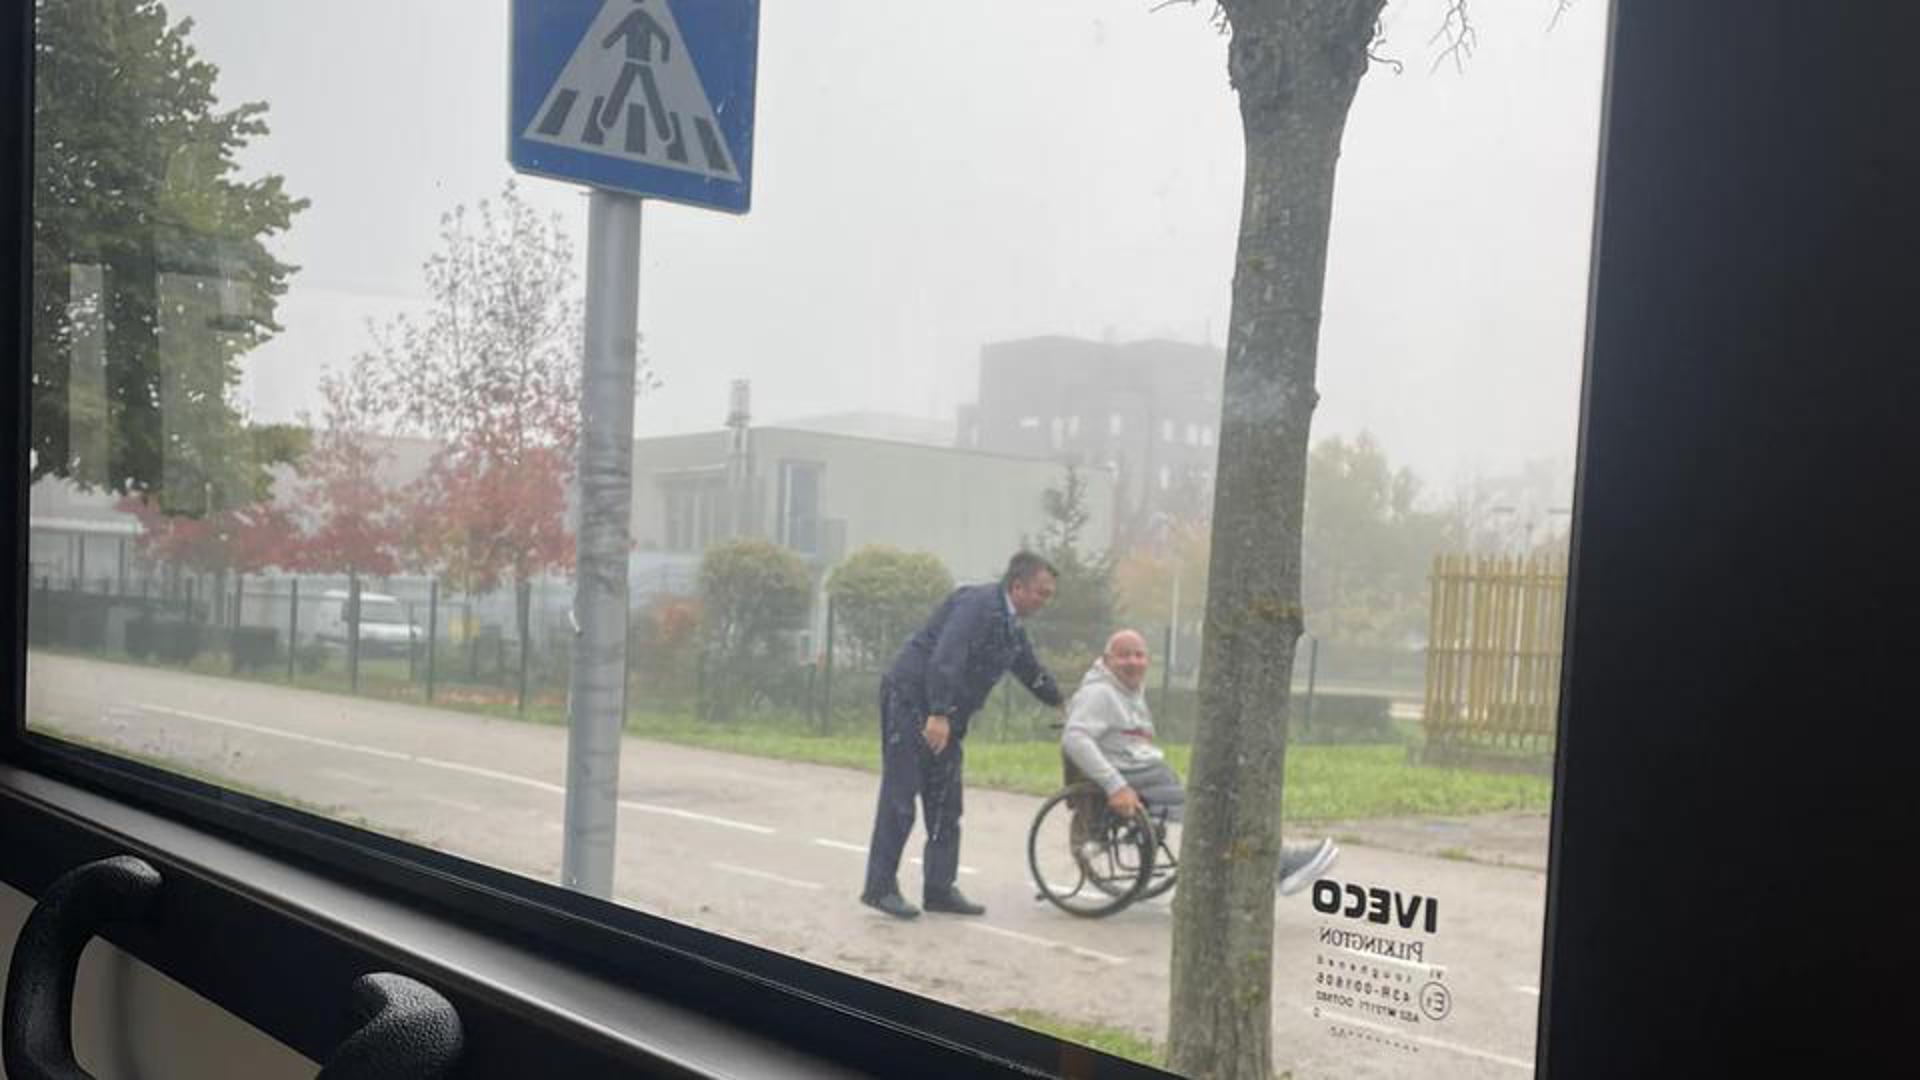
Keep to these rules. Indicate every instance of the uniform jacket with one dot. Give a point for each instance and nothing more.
(951, 664)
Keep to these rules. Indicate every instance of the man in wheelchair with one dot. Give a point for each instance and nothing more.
(1108, 738)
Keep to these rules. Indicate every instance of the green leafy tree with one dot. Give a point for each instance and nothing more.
(752, 594)
(1366, 555)
(1164, 582)
(1369, 545)
(882, 594)
(1073, 629)
(151, 272)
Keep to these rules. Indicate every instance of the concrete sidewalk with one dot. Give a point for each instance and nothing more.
(1515, 838)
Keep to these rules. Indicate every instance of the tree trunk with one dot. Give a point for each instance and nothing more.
(55, 353)
(136, 384)
(523, 622)
(1295, 68)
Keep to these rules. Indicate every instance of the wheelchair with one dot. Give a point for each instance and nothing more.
(1091, 862)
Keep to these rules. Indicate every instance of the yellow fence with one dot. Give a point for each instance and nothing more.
(1493, 649)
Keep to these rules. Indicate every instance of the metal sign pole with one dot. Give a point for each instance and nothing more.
(597, 703)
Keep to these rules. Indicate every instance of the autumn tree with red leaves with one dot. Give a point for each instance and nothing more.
(243, 540)
(353, 524)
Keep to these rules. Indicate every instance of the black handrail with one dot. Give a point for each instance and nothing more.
(403, 1028)
(407, 1032)
(36, 1027)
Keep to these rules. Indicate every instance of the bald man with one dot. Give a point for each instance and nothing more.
(1109, 738)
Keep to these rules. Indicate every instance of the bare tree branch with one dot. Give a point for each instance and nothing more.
(1457, 31)
(1219, 17)
(1459, 35)
(1374, 55)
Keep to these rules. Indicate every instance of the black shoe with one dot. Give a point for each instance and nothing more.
(953, 902)
(892, 904)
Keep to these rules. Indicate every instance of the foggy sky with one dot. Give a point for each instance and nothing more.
(932, 176)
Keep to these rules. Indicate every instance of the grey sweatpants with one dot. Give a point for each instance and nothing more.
(1159, 788)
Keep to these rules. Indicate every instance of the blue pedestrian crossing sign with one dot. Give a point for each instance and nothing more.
(650, 97)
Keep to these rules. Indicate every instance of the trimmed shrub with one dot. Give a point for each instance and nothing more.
(172, 641)
(1343, 719)
(254, 648)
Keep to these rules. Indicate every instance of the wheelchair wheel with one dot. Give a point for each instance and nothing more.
(1160, 875)
(1096, 865)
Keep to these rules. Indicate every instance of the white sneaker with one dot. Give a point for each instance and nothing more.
(1302, 863)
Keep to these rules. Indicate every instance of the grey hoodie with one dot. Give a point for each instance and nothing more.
(1109, 730)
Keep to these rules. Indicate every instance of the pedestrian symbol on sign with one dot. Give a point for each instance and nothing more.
(630, 91)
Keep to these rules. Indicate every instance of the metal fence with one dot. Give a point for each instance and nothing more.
(510, 649)
(308, 629)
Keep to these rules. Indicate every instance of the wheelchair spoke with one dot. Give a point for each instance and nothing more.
(1086, 861)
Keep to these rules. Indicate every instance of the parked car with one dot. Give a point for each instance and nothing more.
(385, 629)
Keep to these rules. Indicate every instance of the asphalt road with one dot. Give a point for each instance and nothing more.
(772, 852)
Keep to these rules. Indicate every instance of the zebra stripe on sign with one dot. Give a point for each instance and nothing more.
(630, 91)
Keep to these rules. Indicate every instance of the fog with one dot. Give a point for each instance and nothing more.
(929, 178)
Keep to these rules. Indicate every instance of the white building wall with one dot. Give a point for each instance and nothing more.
(969, 509)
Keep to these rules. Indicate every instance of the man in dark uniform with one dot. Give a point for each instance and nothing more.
(940, 679)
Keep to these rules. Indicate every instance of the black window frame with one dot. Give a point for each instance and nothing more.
(1721, 120)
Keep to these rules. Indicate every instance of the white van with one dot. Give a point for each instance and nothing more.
(385, 629)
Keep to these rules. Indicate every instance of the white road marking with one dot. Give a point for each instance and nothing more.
(450, 766)
(1032, 939)
(861, 849)
(1425, 1040)
(351, 778)
(689, 815)
(1162, 904)
(963, 869)
(748, 871)
(1534, 990)
(374, 751)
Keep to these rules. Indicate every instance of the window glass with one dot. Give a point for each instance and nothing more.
(307, 443)
(801, 516)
